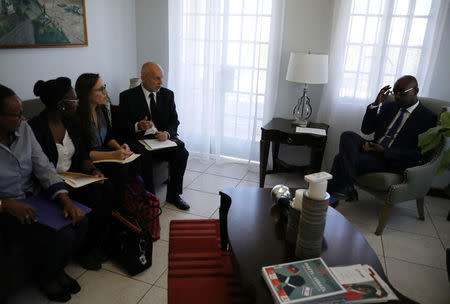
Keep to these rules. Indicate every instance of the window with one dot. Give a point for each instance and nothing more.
(385, 40)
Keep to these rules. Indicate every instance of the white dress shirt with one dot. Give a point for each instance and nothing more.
(65, 152)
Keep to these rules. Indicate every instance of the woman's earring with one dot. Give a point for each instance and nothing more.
(63, 108)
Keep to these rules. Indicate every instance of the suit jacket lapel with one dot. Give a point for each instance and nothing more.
(142, 102)
(410, 122)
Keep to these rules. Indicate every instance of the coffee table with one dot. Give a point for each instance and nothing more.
(248, 229)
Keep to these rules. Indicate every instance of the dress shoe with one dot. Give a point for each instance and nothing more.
(69, 284)
(179, 203)
(347, 194)
(55, 292)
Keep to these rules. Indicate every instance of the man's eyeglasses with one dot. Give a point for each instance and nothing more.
(101, 89)
(18, 115)
(73, 100)
(401, 93)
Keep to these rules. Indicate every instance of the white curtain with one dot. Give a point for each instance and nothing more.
(373, 43)
(224, 58)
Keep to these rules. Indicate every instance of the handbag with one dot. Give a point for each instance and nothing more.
(144, 206)
(129, 244)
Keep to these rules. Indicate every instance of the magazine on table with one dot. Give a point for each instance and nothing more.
(127, 160)
(363, 284)
(77, 180)
(308, 281)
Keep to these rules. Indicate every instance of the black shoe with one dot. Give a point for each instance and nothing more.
(179, 203)
(348, 194)
(61, 295)
(69, 284)
(89, 262)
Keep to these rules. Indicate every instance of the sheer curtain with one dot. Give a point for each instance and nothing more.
(224, 58)
(373, 43)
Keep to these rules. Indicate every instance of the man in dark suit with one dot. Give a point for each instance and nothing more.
(396, 124)
(151, 106)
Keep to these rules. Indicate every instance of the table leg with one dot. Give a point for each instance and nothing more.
(225, 203)
(316, 159)
(275, 151)
(263, 157)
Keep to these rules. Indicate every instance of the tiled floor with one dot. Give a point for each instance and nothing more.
(411, 251)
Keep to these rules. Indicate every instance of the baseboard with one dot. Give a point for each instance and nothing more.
(437, 192)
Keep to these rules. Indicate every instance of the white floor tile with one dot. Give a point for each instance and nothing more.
(274, 179)
(107, 287)
(407, 220)
(423, 284)
(195, 164)
(383, 263)
(189, 177)
(247, 184)
(156, 295)
(74, 270)
(213, 183)
(442, 226)
(215, 215)
(169, 215)
(374, 241)
(232, 170)
(363, 212)
(202, 203)
(414, 248)
(252, 176)
(162, 281)
(296, 180)
(437, 206)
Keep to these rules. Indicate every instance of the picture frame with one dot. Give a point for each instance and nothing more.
(42, 24)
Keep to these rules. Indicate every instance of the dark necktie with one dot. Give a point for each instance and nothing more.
(390, 135)
(153, 108)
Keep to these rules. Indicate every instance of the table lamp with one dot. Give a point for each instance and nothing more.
(306, 68)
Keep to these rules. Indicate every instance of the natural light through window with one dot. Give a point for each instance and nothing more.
(387, 37)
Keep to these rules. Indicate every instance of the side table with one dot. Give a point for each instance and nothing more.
(280, 130)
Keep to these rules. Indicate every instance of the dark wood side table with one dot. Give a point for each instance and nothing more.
(282, 131)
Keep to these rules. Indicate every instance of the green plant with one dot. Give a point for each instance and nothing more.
(431, 139)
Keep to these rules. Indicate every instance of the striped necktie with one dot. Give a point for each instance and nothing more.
(391, 133)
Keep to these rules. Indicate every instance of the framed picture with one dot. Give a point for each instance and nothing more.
(42, 23)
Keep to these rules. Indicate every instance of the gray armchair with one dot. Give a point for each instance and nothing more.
(413, 184)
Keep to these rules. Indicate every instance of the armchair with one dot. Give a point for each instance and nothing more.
(413, 184)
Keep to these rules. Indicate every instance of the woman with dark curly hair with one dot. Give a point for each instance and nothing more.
(59, 134)
(22, 163)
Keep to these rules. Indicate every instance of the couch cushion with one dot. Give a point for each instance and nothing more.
(32, 107)
(379, 181)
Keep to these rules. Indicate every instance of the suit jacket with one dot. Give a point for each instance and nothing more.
(403, 152)
(44, 136)
(133, 107)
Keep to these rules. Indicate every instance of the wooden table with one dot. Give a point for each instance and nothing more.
(282, 131)
(256, 241)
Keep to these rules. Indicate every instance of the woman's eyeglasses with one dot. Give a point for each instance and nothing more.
(101, 89)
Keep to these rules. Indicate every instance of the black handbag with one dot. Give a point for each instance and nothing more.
(129, 244)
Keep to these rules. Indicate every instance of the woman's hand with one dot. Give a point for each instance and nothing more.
(24, 212)
(97, 173)
(125, 147)
(121, 154)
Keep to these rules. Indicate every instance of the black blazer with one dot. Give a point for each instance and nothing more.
(44, 136)
(133, 108)
(403, 152)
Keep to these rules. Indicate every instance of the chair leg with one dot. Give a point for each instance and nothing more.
(383, 218)
(419, 203)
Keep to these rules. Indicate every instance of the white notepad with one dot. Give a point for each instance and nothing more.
(127, 160)
(77, 180)
(314, 131)
(156, 144)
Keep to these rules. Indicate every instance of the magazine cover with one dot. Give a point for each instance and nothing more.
(363, 284)
(302, 281)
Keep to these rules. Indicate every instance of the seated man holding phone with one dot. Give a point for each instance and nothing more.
(396, 124)
(150, 108)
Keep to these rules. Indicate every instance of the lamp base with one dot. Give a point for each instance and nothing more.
(300, 123)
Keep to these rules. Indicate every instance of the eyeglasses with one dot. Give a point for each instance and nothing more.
(401, 93)
(73, 100)
(101, 89)
(19, 115)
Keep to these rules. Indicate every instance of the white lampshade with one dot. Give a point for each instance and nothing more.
(308, 68)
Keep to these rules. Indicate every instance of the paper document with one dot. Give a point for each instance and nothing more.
(314, 131)
(120, 161)
(156, 144)
(77, 180)
(50, 213)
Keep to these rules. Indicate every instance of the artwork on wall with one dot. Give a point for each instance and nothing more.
(42, 23)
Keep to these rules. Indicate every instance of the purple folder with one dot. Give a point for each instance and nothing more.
(50, 213)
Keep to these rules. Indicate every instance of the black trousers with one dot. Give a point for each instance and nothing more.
(50, 250)
(177, 158)
(352, 161)
(99, 197)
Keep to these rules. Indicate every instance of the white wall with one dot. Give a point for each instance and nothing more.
(111, 52)
(152, 33)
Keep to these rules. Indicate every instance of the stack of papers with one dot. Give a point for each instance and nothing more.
(156, 144)
(77, 180)
(127, 160)
(314, 131)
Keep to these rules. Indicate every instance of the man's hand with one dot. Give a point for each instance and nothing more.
(25, 213)
(70, 209)
(370, 146)
(382, 95)
(162, 136)
(144, 124)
